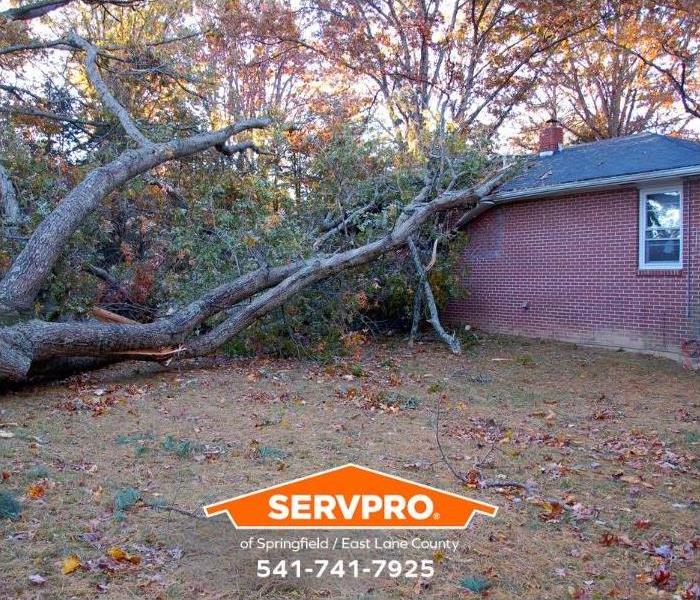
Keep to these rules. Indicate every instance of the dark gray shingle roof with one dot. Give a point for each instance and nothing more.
(642, 153)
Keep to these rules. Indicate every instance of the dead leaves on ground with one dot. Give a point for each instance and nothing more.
(552, 512)
(596, 475)
(98, 400)
(116, 559)
(71, 564)
(638, 450)
(36, 491)
(372, 399)
(121, 556)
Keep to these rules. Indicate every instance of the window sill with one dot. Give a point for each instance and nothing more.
(660, 272)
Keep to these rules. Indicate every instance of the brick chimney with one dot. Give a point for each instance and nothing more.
(551, 137)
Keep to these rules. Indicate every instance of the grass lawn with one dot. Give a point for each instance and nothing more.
(607, 443)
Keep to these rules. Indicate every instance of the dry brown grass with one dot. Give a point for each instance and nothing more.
(609, 440)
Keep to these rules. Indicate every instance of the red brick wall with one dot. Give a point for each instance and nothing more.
(551, 137)
(567, 268)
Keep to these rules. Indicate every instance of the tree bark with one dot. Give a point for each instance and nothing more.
(43, 7)
(417, 313)
(33, 10)
(41, 341)
(14, 362)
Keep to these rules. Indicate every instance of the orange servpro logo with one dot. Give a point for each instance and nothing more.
(350, 497)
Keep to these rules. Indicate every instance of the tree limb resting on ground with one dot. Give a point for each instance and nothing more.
(427, 294)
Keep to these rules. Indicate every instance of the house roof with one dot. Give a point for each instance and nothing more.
(605, 163)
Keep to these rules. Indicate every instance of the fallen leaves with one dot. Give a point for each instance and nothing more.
(572, 496)
(98, 400)
(375, 399)
(117, 559)
(36, 491)
(632, 479)
(71, 564)
(120, 555)
(691, 592)
(583, 513)
(578, 593)
(663, 578)
(603, 414)
(552, 512)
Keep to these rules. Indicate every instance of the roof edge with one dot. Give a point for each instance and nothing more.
(592, 184)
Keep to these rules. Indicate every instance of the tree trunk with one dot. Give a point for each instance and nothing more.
(417, 313)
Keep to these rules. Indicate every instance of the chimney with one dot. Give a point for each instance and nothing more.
(551, 137)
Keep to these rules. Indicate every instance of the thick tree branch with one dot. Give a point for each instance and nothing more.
(42, 114)
(11, 212)
(320, 267)
(22, 282)
(108, 99)
(233, 149)
(417, 314)
(44, 7)
(33, 10)
(59, 44)
(38, 341)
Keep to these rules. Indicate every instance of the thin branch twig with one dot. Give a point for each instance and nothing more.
(482, 484)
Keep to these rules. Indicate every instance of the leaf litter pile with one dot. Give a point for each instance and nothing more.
(590, 455)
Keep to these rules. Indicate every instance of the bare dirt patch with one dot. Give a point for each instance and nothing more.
(606, 441)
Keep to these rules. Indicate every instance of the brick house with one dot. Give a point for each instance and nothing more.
(594, 243)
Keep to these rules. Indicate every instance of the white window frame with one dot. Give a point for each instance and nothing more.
(673, 187)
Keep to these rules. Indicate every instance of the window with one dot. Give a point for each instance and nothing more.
(660, 228)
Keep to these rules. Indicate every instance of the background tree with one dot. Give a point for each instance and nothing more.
(441, 63)
(669, 45)
(619, 77)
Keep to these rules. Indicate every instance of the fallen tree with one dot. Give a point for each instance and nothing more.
(38, 342)
(31, 346)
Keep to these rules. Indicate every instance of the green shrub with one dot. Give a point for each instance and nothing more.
(9, 507)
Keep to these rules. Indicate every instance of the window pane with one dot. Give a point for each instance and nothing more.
(664, 209)
(663, 234)
(662, 251)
